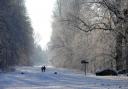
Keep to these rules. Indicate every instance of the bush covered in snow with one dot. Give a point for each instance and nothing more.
(106, 72)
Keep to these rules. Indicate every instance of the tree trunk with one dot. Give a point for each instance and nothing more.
(119, 64)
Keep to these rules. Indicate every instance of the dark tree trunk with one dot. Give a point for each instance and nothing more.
(126, 57)
(119, 64)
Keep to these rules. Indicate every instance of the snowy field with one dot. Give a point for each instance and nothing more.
(33, 78)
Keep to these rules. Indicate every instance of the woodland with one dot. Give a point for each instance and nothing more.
(91, 30)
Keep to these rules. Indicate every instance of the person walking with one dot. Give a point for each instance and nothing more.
(43, 68)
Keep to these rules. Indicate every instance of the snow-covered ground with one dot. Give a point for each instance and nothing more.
(33, 78)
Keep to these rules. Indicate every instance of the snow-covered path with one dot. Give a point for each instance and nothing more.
(64, 79)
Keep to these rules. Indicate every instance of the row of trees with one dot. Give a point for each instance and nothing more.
(95, 30)
(39, 56)
(16, 34)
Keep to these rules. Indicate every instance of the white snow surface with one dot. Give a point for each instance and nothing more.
(33, 78)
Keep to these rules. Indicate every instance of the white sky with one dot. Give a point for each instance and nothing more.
(40, 12)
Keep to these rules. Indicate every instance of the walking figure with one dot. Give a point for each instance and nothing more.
(43, 68)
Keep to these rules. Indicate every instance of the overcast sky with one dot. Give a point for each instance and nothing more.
(40, 12)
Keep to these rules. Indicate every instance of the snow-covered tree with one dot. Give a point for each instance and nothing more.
(94, 30)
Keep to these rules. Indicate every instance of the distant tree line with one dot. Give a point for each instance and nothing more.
(39, 56)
